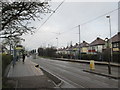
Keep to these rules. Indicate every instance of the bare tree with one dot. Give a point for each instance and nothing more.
(12, 41)
(17, 16)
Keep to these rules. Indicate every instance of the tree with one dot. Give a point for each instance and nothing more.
(40, 51)
(12, 41)
(17, 16)
(50, 52)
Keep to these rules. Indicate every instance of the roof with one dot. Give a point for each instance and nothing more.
(116, 38)
(84, 44)
(97, 41)
(75, 45)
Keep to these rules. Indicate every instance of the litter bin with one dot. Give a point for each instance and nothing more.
(92, 64)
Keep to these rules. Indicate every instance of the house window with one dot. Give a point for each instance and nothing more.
(103, 46)
(115, 45)
(93, 48)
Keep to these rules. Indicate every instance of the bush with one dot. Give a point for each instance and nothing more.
(102, 57)
(116, 57)
(65, 56)
(6, 60)
(49, 52)
(86, 56)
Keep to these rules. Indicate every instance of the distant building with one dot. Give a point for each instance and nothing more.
(62, 51)
(84, 47)
(74, 50)
(70, 50)
(96, 46)
(59, 50)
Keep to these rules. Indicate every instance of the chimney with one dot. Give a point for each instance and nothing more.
(83, 41)
(118, 33)
(76, 44)
(98, 38)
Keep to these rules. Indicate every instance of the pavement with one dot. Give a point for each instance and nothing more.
(26, 75)
(115, 74)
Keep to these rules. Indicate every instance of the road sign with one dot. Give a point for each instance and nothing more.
(19, 48)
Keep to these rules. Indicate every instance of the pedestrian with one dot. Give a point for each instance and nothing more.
(23, 57)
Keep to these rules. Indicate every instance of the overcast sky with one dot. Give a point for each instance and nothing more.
(70, 14)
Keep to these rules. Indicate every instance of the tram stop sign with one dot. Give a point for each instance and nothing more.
(19, 47)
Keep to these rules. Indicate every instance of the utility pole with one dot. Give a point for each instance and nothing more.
(79, 42)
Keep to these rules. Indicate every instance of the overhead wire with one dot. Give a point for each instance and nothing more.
(94, 19)
(48, 18)
(99, 17)
(86, 22)
(91, 20)
(77, 25)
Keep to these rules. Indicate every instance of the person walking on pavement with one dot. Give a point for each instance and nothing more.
(23, 57)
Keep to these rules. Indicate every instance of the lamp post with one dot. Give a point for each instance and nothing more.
(107, 48)
(110, 37)
(110, 43)
(57, 42)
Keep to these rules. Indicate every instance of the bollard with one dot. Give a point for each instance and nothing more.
(92, 65)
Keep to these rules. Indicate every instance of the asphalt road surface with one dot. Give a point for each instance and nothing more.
(73, 74)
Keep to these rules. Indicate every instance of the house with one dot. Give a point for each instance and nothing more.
(70, 50)
(74, 50)
(96, 46)
(116, 42)
(62, 51)
(76, 47)
(59, 51)
(84, 47)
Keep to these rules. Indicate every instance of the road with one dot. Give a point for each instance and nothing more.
(73, 74)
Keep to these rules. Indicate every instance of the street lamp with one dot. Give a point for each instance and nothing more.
(107, 48)
(110, 36)
(57, 42)
(110, 40)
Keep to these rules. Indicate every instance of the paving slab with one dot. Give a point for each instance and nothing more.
(33, 82)
(24, 69)
(26, 75)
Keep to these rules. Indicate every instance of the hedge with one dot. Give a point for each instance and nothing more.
(97, 57)
(6, 60)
